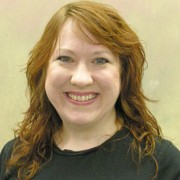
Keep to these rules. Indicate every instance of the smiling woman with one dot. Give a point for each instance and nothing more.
(83, 84)
(87, 117)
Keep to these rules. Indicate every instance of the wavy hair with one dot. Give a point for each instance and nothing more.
(35, 134)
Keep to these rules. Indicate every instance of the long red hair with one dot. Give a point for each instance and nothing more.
(35, 135)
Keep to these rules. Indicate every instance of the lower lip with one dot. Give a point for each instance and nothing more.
(81, 103)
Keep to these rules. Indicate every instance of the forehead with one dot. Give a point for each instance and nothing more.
(76, 31)
(71, 37)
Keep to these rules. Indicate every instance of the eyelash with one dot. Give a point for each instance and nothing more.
(64, 59)
(101, 61)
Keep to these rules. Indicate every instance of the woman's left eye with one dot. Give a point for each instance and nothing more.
(101, 61)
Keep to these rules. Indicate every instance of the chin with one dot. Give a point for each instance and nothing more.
(79, 120)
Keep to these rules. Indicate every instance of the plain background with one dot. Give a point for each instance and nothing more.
(156, 23)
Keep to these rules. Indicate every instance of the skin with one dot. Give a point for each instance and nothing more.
(83, 84)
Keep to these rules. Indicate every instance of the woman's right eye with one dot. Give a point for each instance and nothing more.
(64, 59)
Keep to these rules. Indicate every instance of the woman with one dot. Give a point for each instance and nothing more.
(87, 117)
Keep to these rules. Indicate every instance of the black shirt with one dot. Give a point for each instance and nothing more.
(110, 161)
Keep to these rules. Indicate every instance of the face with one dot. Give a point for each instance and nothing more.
(83, 80)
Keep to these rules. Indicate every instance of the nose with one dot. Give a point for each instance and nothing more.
(81, 76)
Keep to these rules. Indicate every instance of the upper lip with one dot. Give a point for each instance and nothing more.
(78, 93)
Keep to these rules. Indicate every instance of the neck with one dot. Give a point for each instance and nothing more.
(82, 138)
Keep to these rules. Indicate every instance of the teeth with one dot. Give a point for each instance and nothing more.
(81, 98)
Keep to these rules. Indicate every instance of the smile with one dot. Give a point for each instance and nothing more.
(82, 98)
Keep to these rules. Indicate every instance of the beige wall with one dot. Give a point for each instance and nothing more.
(156, 22)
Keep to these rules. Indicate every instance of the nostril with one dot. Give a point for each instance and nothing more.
(81, 76)
(82, 79)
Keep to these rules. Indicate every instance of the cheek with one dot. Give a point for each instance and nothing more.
(54, 83)
(116, 79)
(110, 81)
(55, 78)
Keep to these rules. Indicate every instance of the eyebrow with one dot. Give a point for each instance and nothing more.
(98, 52)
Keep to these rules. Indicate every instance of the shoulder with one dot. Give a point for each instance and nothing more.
(166, 148)
(6, 151)
(5, 155)
(8, 145)
(168, 158)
